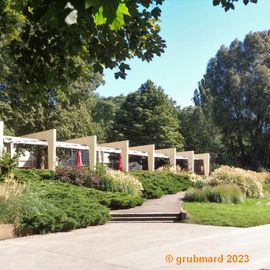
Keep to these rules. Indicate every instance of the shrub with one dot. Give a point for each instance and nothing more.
(245, 180)
(156, 184)
(195, 195)
(224, 194)
(61, 191)
(8, 163)
(218, 194)
(116, 181)
(51, 215)
(121, 201)
(77, 176)
(198, 184)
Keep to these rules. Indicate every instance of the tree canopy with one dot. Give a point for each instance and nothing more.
(236, 91)
(147, 116)
(53, 42)
(48, 49)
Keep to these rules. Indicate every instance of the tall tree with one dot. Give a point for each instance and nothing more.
(147, 116)
(200, 133)
(104, 112)
(70, 112)
(236, 90)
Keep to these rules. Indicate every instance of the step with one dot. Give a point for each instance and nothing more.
(147, 217)
(155, 214)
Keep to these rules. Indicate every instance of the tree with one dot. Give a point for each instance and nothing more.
(200, 133)
(54, 42)
(148, 117)
(236, 91)
(104, 112)
(49, 49)
(70, 112)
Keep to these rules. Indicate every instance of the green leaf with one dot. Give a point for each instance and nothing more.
(119, 21)
(99, 19)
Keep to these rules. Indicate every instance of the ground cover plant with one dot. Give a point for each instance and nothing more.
(157, 184)
(43, 205)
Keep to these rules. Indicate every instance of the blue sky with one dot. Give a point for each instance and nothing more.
(194, 30)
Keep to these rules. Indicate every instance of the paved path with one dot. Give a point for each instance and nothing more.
(136, 246)
(165, 204)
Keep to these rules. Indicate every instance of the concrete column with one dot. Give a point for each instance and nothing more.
(124, 147)
(50, 137)
(206, 162)
(171, 153)
(190, 156)
(150, 150)
(1, 137)
(91, 142)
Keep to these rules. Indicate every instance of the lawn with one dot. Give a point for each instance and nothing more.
(250, 213)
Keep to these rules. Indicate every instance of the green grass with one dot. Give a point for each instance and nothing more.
(252, 212)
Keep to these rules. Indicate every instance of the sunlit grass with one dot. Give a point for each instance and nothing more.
(250, 213)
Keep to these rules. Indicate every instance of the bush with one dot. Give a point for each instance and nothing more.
(121, 201)
(116, 181)
(76, 176)
(53, 207)
(47, 215)
(8, 163)
(218, 194)
(195, 195)
(245, 180)
(198, 184)
(157, 184)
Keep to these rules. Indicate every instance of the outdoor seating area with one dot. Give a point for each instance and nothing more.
(49, 138)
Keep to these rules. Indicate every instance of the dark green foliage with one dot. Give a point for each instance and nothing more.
(38, 36)
(157, 184)
(199, 132)
(229, 4)
(121, 201)
(51, 206)
(147, 116)
(104, 113)
(235, 95)
(58, 190)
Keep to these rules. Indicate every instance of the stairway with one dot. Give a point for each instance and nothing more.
(147, 217)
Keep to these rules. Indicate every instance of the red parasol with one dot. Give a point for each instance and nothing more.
(78, 161)
(120, 165)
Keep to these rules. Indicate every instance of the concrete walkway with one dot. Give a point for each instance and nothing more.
(165, 204)
(137, 246)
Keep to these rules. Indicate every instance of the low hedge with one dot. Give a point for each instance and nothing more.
(52, 206)
(157, 184)
(59, 190)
